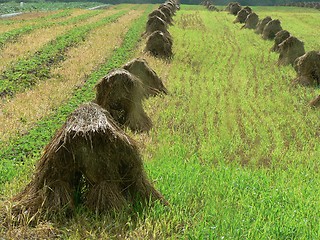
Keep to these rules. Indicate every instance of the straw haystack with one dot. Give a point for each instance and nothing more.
(248, 9)
(156, 24)
(121, 94)
(159, 14)
(279, 38)
(241, 16)
(159, 45)
(270, 30)
(168, 13)
(308, 69)
(89, 146)
(251, 21)
(315, 103)
(261, 24)
(234, 8)
(290, 49)
(152, 83)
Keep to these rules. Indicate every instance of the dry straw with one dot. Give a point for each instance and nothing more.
(308, 69)
(89, 146)
(151, 81)
(290, 49)
(279, 38)
(121, 94)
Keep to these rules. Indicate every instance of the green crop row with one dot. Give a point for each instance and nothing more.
(29, 146)
(15, 33)
(27, 72)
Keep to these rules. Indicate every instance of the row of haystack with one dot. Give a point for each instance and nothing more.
(159, 40)
(315, 5)
(291, 49)
(91, 161)
(209, 5)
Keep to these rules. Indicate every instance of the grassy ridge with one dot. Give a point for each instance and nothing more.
(29, 146)
(26, 72)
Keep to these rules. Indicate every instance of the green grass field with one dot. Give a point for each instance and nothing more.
(234, 148)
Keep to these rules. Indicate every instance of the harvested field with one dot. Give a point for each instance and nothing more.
(234, 146)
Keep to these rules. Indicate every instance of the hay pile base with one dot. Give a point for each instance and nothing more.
(270, 30)
(241, 16)
(159, 45)
(251, 21)
(308, 69)
(151, 82)
(121, 94)
(89, 144)
(290, 49)
(315, 103)
(261, 24)
(279, 38)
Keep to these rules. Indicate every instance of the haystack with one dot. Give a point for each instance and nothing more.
(251, 21)
(159, 45)
(249, 10)
(89, 146)
(156, 24)
(315, 103)
(261, 24)
(234, 8)
(169, 5)
(241, 16)
(151, 81)
(290, 49)
(270, 30)
(159, 14)
(213, 8)
(167, 11)
(121, 94)
(308, 69)
(279, 38)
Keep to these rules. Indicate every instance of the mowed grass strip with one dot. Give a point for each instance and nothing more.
(26, 72)
(18, 155)
(28, 44)
(26, 108)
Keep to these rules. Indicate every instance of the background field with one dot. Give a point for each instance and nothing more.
(234, 148)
